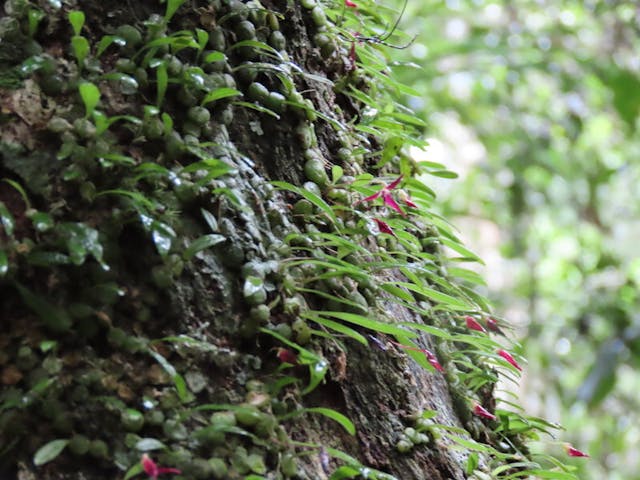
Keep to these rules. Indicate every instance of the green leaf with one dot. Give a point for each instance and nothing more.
(76, 19)
(90, 96)
(149, 444)
(178, 380)
(34, 17)
(258, 108)
(214, 57)
(80, 47)
(172, 7)
(210, 219)
(397, 292)
(81, 240)
(8, 223)
(219, 94)
(338, 327)
(104, 43)
(312, 197)
(391, 148)
(161, 233)
(333, 415)
(442, 173)
(162, 80)
(318, 366)
(336, 173)
(461, 249)
(53, 317)
(136, 469)
(442, 298)
(374, 325)
(4, 263)
(49, 451)
(202, 243)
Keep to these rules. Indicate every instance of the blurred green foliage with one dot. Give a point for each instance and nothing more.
(535, 104)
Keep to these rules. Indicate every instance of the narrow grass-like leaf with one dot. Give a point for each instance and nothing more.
(219, 94)
(178, 380)
(327, 412)
(49, 451)
(312, 197)
(374, 325)
(202, 243)
(442, 298)
(397, 292)
(338, 327)
(162, 81)
(52, 316)
(135, 470)
(258, 108)
(461, 249)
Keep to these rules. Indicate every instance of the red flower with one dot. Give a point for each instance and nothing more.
(406, 199)
(287, 356)
(350, 4)
(384, 227)
(509, 358)
(493, 326)
(472, 324)
(387, 198)
(153, 470)
(431, 358)
(480, 411)
(574, 452)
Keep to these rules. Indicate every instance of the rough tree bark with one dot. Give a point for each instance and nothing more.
(80, 356)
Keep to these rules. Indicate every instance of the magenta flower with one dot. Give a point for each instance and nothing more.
(574, 452)
(287, 356)
(406, 199)
(152, 469)
(509, 358)
(350, 4)
(493, 326)
(480, 411)
(431, 358)
(387, 198)
(384, 227)
(472, 324)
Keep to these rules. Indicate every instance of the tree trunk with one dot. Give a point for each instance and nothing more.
(148, 266)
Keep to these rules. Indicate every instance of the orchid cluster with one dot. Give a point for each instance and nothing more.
(479, 410)
(387, 199)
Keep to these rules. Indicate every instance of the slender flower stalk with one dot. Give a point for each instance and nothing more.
(480, 411)
(509, 358)
(472, 324)
(152, 469)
